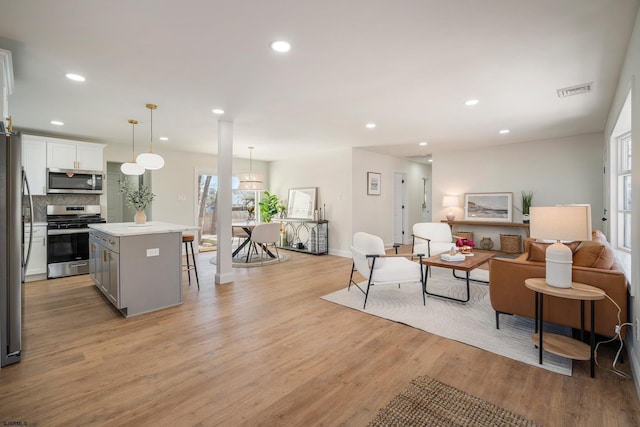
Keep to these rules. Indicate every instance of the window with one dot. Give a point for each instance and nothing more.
(242, 201)
(623, 191)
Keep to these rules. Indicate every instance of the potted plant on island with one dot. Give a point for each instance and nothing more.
(138, 199)
(527, 197)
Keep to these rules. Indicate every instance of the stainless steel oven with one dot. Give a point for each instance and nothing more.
(68, 238)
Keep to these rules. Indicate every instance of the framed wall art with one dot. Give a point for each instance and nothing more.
(497, 207)
(302, 202)
(373, 183)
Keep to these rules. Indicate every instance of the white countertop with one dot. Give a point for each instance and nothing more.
(132, 229)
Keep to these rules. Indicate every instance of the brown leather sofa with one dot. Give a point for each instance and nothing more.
(593, 264)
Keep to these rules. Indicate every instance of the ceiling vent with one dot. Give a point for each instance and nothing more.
(574, 90)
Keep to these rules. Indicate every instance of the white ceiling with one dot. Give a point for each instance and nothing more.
(407, 65)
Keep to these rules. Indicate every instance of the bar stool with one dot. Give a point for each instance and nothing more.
(187, 239)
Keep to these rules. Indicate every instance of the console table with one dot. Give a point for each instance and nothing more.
(490, 224)
(304, 235)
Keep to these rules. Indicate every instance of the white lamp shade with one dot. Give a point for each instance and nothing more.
(151, 161)
(568, 222)
(450, 201)
(251, 181)
(131, 169)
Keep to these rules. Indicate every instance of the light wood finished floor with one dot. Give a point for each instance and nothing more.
(264, 351)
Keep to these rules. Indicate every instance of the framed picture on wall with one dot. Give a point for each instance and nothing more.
(497, 207)
(373, 183)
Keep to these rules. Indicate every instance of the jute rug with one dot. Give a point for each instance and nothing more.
(427, 402)
(472, 323)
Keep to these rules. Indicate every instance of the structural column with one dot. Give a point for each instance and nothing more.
(224, 268)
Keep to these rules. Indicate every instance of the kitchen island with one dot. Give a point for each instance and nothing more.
(137, 267)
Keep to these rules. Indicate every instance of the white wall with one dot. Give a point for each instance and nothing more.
(558, 171)
(374, 214)
(331, 173)
(629, 80)
(341, 178)
(174, 184)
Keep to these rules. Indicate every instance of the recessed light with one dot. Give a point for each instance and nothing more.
(281, 46)
(164, 138)
(370, 125)
(57, 122)
(430, 160)
(217, 111)
(75, 77)
(503, 131)
(423, 143)
(471, 102)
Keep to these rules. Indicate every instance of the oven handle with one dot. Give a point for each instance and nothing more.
(68, 231)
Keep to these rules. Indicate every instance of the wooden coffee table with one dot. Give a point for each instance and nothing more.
(470, 263)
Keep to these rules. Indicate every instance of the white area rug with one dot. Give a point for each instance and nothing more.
(472, 323)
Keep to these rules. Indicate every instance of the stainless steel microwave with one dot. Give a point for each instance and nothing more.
(73, 181)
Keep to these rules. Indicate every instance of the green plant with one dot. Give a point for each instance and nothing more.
(268, 206)
(138, 199)
(527, 197)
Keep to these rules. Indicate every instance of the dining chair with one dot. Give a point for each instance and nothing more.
(263, 235)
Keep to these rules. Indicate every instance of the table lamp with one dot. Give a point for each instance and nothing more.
(450, 202)
(567, 223)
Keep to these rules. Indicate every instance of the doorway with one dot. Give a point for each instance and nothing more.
(243, 203)
(400, 213)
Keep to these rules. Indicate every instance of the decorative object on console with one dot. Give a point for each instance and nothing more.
(251, 181)
(451, 202)
(568, 223)
(138, 199)
(373, 183)
(302, 202)
(527, 198)
(132, 168)
(490, 207)
(150, 160)
(486, 243)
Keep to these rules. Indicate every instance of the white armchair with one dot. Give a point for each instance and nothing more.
(431, 238)
(371, 261)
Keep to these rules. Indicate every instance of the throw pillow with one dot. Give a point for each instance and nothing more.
(537, 250)
(595, 255)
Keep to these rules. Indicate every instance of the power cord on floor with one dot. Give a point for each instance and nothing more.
(617, 336)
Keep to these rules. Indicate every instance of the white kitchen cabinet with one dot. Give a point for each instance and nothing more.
(34, 161)
(64, 154)
(37, 267)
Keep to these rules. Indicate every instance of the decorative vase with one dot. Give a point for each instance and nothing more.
(486, 243)
(140, 217)
(525, 218)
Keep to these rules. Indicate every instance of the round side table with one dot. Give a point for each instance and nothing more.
(560, 344)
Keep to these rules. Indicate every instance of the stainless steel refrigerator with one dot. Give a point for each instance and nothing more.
(13, 260)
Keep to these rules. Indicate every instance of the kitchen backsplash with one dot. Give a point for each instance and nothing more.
(40, 203)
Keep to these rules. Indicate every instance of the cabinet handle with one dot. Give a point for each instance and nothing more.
(104, 256)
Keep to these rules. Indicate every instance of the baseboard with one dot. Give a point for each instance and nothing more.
(338, 252)
(635, 364)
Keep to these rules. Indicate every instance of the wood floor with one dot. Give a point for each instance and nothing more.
(264, 351)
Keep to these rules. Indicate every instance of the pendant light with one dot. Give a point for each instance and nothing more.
(132, 168)
(251, 181)
(150, 160)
